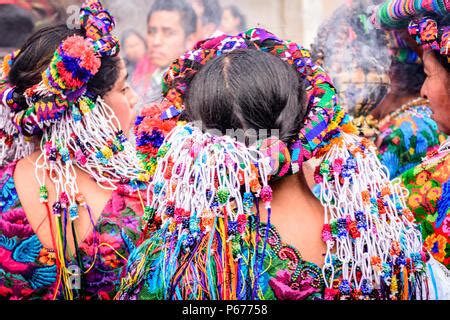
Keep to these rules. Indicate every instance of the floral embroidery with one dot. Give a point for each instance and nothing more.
(29, 271)
(429, 200)
(407, 139)
(446, 226)
(7, 195)
(14, 224)
(287, 289)
(47, 258)
(436, 245)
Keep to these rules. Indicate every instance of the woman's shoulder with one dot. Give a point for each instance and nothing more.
(415, 120)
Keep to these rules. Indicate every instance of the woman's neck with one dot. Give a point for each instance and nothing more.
(294, 190)
(298, 216)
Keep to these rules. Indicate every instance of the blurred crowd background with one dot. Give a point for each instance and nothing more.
(146, 55)
(297, 20)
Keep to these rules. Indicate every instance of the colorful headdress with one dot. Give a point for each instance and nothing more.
(323, 120)
(428, 35)
(397, 14)
(13, 145)
(206, 190)
(75, 127)
(401, 50)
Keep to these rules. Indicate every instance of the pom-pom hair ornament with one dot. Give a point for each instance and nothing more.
(206, 193)
(74, 127)
(12, 144)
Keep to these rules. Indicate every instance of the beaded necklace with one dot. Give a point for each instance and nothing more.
(300, 268)
(408, 107)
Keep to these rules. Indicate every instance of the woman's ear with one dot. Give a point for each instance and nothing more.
(308, 170)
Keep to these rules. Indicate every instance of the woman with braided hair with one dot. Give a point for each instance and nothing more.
(428, 23)
(225, 208)
(68, 214)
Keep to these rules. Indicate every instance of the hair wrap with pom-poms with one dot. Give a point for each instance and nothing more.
(325, 119)
(396, 14)
(99, 24)
(76, 129)
(205, 196)
(76, 61)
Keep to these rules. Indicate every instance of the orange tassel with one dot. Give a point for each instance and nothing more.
(405, 285)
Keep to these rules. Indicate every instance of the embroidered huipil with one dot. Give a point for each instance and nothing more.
(407, 138)
(429, 200)
(29, 271)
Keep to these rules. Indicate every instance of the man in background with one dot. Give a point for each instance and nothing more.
(171, 31)
(209, 15)
(233, 20)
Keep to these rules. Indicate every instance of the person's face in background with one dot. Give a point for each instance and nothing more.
(437, 90)
(134, 48)
(122, 99)
(197, 5)
(166, 38)
(230, 24)
(204, 31)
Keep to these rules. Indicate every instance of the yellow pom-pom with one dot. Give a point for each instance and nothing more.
(107, 152)
(84, 107)
(172, 227)
(144, 177)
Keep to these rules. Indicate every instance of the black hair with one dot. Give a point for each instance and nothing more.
(16, 25)
(409, 78)
(236, 13)
(188, 16)
(212, 12)
(248, 89)
(37, 53)
(131, 32)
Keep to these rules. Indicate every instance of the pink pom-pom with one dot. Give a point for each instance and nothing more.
(331, 294)
(64, 199)
(79, 47)
(338, 165)
(326, 233)
(81, 158)
(267, 194)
